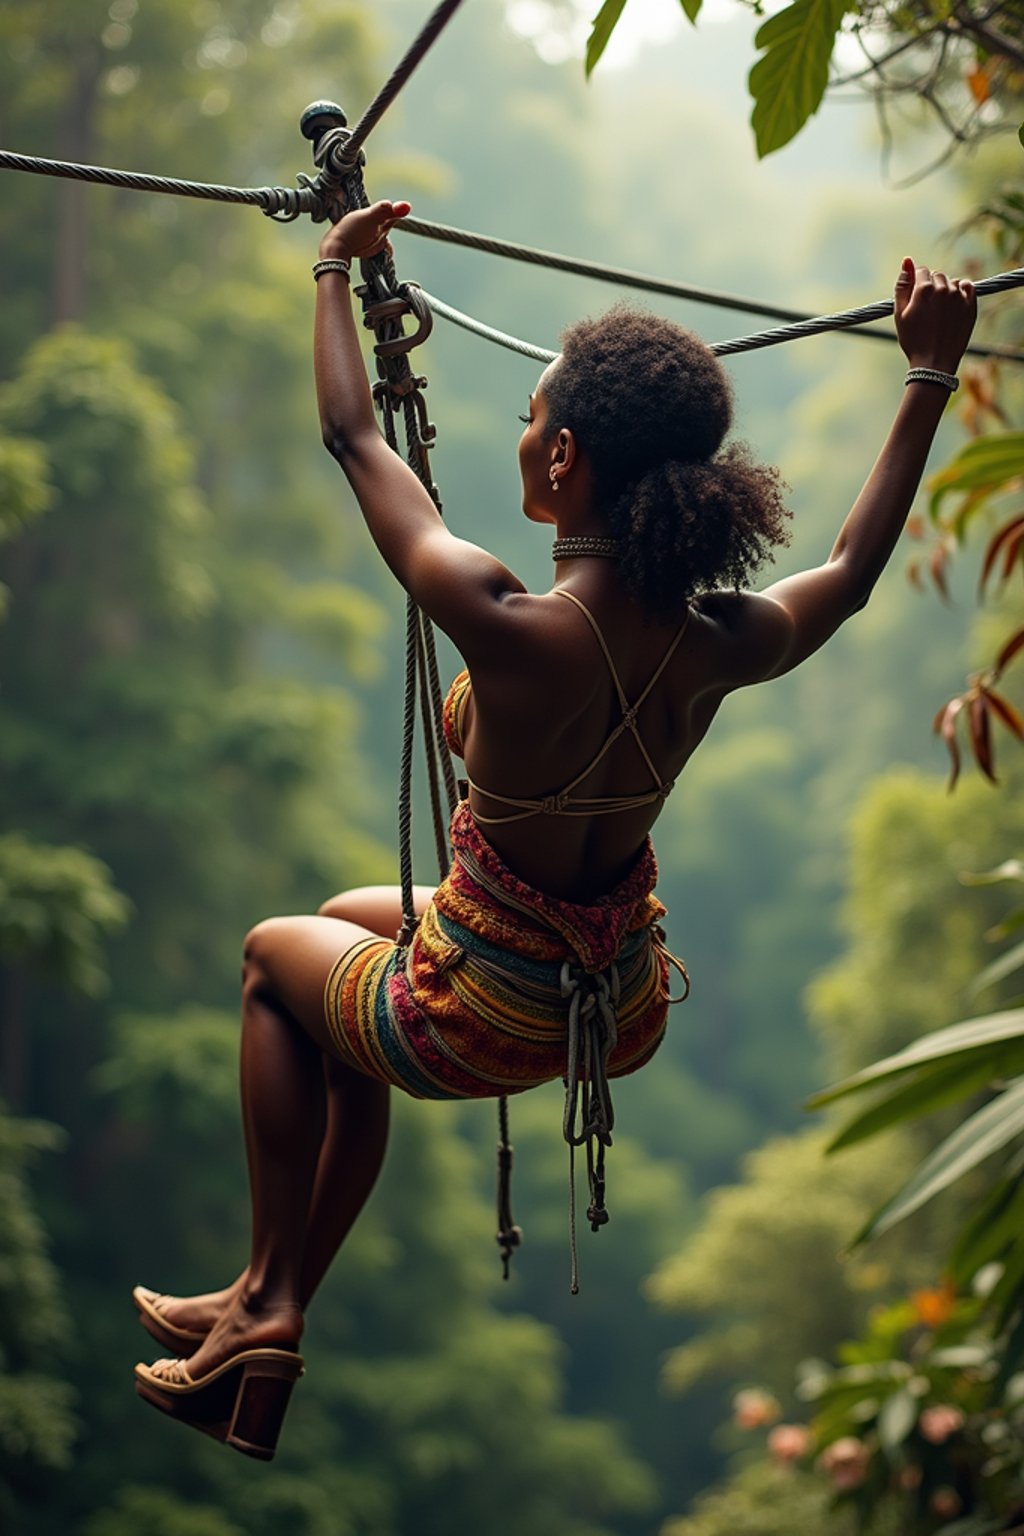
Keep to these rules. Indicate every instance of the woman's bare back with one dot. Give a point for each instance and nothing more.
(543, 707)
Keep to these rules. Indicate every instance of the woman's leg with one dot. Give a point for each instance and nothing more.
(354, 1141)
(284, 1092)
(357, 1107)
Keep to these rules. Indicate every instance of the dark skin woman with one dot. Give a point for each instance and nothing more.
(622, 442)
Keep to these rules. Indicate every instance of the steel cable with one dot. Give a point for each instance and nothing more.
(287, 203)
(841, 320)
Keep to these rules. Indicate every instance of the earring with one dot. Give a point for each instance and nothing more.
(553, 478)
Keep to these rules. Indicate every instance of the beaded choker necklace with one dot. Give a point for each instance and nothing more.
(582, 544)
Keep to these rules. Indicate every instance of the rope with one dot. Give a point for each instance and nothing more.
(841, 320)
(588, 1116)
(509, 1235)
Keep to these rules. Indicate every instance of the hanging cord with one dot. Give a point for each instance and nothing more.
(509, 1235)
(386, 302)
(589, 1116)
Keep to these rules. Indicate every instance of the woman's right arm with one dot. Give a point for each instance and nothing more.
(772, 632)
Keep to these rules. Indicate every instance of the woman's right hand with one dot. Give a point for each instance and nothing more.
(363, 232)
(934, 315)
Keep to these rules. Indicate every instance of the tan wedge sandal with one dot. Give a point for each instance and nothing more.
(243, 1402)
(181, 1341)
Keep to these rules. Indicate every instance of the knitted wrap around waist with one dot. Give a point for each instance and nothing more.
(533, 947)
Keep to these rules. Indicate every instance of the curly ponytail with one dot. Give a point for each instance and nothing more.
(650, 405)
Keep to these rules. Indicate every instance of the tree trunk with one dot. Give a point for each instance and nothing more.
(75, 142)
(13, 1039)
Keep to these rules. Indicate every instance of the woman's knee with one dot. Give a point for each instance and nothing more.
(376, 907)
(347, 904)
(263, 946)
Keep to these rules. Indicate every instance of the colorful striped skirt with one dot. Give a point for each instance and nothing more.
(477, 1005)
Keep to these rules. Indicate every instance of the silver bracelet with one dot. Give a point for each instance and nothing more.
(331, 264)
(933, 376)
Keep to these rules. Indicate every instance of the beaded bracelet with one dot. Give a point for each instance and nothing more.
(331, 264)
(933, 376)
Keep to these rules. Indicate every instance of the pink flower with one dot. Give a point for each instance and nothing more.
(846, 1462)
(940, 1421)
(945, 1502)
(788, 1442)
(909, 1477)
(754, 1408)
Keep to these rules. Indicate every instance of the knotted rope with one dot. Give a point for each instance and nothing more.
(589, 1116)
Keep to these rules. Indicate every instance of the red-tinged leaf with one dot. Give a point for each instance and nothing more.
(1009, 531)
(1013, 646)
(1008, 714)
(981, 735)
(914, 575)
(977, 84)
(937, 566)
(915, 526)
(945, 722)
(1011, 550)
(940, 715)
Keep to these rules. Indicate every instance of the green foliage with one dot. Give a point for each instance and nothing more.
(602, 27)
(926, 1415)
(25, 489)
(160, 1513)
(985, 467)
(788, 82)
(58, 909)
(768, 1313)
(764, 1500)
(37, 1422)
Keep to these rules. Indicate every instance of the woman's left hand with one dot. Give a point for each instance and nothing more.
(363, 232)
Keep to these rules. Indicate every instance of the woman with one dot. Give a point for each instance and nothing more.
(585, 705)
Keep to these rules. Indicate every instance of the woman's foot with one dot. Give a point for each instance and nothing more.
(246, 1323)
(188, 1315)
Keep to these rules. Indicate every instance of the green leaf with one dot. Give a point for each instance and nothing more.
(986, 465)
(944, 1044)
(970, 1144)
(994, 1224)
(1005, 966)
(602, 28)
(788, 82)
(973, 1525)
(1012, 1354)
(929, 1090)
(896, 1419)
(1010, 869)
(1006, 1294)
(692, 9)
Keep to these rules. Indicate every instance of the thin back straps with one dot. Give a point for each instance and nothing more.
(629, 711)
(564, 803)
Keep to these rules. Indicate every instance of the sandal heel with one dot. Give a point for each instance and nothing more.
(260, 1408)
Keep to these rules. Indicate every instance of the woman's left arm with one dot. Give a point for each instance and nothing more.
(455, 582)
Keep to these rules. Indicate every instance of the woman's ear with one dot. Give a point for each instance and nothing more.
(566, 445)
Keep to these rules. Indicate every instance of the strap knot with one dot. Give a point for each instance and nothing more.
(553, 805)
(629, 718)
